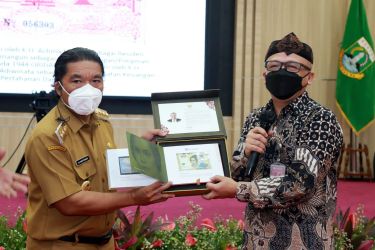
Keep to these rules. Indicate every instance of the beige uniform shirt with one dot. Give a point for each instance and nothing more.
(63, 155)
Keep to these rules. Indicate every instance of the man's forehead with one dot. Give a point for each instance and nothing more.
(283, 57)
(84, 67)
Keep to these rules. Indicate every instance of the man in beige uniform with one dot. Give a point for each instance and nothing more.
(69, 205)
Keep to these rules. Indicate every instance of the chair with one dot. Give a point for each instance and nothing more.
(356, 163)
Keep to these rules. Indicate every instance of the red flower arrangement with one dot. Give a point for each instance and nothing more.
(190, 240)
(354, 230)
(208, 223)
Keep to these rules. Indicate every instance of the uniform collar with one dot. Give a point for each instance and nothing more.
(71, 118)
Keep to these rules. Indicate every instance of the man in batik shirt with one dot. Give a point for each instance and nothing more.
(291, 191)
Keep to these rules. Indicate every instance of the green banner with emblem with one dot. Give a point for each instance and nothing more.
(355, 86)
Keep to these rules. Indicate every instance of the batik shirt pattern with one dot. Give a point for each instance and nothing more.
(294, 211)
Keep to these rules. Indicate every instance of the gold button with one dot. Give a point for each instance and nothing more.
(86, 186)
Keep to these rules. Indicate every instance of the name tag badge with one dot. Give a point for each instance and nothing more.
(277, 170)
(82, 160)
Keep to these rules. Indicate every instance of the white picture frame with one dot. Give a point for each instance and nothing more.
(189, 163)
(189, 117)
(120, 173)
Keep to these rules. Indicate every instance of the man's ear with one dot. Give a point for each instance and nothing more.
(58, 88)
(310, 78)
(264, 73)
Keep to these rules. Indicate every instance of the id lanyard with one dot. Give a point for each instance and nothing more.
(277, 169)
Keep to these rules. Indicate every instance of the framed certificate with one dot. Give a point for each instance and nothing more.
(120, 172)
(189, 114)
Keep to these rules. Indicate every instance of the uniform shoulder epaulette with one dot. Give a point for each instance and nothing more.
(102, 114)
(61, 131)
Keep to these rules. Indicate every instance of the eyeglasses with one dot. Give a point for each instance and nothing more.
(293, 67)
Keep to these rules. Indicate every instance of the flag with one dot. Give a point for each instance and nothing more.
(355, 86)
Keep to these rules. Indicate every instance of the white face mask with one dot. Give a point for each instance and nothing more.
(84, 100)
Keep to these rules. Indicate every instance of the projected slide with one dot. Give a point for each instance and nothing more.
(146, 45)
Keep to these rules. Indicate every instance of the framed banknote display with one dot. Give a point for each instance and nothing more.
(194, 148)
(193, 151)
(188, 165)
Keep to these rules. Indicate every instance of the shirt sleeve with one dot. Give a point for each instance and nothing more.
(51, 166)
(314, 158)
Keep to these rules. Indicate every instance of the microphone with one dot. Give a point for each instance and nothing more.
(266, 119)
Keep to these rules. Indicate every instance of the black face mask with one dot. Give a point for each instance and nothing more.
(283, 84)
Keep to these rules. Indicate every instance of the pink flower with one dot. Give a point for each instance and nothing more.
(169, 227)
(157, 243)
(190, 240)
(240, 224)
(24, 226)
(207, 223)
(366, 245)
(230, 247)
(130, 242)
(2, 248)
